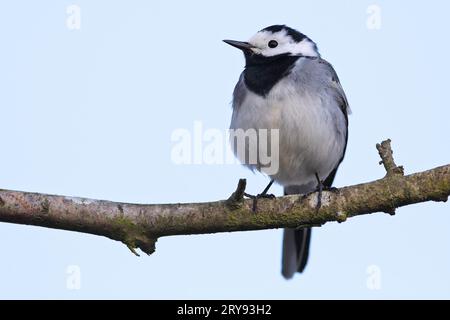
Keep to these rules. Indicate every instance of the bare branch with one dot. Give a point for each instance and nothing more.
(387, 159)
(236, 199)
(139, 226)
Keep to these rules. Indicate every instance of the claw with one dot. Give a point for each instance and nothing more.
(331, 189)
(320, 188)
(263, 195)
(266, 196)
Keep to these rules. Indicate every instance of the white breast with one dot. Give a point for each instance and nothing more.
(311, 124)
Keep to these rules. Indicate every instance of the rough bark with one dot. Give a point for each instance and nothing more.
(139, 226)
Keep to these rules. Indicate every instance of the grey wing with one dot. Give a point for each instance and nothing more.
(239, 93)
(296, 242)
(339, 96)
(336, 85)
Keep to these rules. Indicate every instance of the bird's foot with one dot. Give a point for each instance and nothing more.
(330, 189)
(258, 196)
(319, 190)
(262, 195)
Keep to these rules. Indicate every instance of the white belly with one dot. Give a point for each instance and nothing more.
(311, 132)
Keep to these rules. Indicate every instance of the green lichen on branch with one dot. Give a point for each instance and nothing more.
(45, 206)
(132, 234)
(139, 226)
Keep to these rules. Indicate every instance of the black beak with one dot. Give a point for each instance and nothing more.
(239, 44)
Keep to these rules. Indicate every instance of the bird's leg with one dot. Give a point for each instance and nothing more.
(319, 190)
(262, 195)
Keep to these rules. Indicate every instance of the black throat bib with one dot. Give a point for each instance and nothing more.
(262, 73)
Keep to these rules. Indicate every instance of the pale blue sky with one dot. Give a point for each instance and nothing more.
(90, 113)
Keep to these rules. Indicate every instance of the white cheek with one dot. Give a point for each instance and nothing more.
(269, 52)
(305, 48)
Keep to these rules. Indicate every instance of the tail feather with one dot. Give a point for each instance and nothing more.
(295, 251)
(296, 242)
(302, 240)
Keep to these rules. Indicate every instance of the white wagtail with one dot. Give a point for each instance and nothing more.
(287, 86)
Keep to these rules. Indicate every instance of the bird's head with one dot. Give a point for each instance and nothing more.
(276, 41)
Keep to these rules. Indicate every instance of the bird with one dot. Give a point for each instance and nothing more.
(286, 85)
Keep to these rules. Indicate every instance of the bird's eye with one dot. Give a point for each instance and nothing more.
(273, 44)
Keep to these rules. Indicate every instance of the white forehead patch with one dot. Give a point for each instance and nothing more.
(286, 44)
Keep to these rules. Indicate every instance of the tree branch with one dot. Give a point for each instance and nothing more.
(139, 226)
(387, 159)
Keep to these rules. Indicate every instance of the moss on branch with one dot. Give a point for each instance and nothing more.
(139, 226)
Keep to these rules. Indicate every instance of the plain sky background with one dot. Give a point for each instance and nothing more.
(90, 113)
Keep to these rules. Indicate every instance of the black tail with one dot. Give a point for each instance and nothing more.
(302, 240)
(295, 251)
(296, 242)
